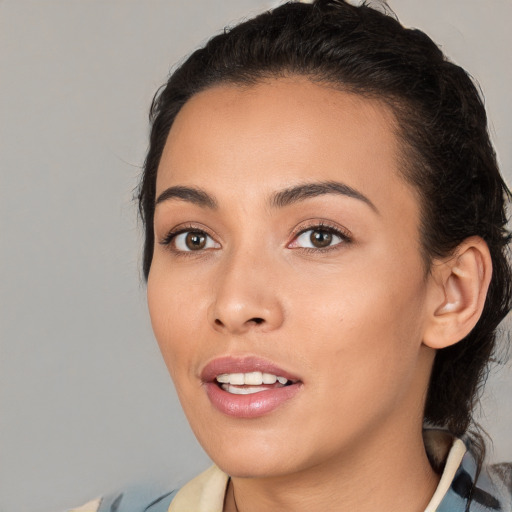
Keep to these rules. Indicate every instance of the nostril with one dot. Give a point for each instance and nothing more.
(235, 325)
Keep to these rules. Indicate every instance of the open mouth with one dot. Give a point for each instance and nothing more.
(251, 382)
(248, 387)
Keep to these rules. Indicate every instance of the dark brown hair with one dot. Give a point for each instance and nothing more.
(441, 120)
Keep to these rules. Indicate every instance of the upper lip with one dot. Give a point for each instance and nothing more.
(231, 364)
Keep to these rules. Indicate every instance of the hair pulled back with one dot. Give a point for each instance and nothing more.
(441, 122)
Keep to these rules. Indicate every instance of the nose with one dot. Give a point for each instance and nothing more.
(246, 297)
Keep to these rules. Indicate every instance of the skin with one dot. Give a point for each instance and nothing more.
(350, 321)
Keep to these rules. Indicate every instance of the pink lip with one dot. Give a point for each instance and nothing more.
(247, 406)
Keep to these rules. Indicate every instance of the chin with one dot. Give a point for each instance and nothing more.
(240, 466)
(247, 455)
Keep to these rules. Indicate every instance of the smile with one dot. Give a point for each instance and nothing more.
(248, 387)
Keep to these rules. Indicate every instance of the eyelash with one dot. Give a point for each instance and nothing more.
(344, 235)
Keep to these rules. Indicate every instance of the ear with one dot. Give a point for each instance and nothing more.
(457, 295)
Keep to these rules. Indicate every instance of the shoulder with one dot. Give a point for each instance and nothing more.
(133, 499)
(204, 493)
(466, 484)
(490, 489)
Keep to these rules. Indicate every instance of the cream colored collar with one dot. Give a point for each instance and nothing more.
(453, 461)
(205, 493)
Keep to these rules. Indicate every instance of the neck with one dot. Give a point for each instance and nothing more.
(391, 474)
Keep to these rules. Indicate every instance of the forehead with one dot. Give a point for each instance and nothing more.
(281, 132)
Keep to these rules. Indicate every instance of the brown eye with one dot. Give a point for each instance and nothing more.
(195, 241)
(320, 239)
(189, 241)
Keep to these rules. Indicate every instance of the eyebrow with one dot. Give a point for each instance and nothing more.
(190, 194)
(280, 199)
(301, 192)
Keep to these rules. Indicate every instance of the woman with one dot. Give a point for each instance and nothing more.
(325, 255)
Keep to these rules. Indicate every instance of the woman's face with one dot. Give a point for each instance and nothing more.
(287, 290)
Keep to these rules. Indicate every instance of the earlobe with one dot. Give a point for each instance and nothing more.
(459, 289)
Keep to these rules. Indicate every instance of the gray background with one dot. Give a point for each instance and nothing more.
(85, 401)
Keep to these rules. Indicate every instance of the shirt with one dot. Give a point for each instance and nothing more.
(489, 490)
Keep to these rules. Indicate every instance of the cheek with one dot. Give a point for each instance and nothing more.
(368, 321)
(174, 312)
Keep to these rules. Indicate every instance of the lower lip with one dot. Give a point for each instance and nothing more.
(250, 406)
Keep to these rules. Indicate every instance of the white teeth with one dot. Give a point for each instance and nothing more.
(268, 378)
(253, 378)
(250, 379)
(237, 379)
(241, 391)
